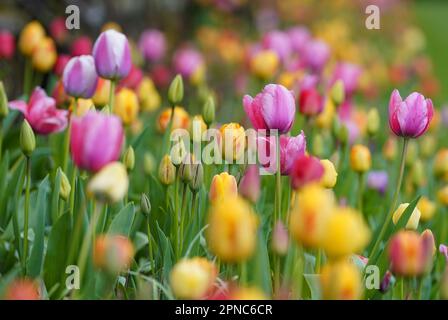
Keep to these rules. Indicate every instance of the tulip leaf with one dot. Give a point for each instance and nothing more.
(122, 222)
(55, 196)
(313, 282)
(260, 266)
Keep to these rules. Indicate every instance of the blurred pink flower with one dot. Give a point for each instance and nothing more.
(81, 46)
(349, 73)
(96, 139)
(58, 30)
(305, 169)
(311, 102)
(152, 44)
(61, 62)
(7, 44)
(249, 186)
(316, 55)
(279, 42)
(299, 37)
(41, 113)
(186, 61)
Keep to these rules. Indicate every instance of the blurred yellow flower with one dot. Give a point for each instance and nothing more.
(197, 128)
(442, 195)
(110, 183)
(324, 120)
(248, 293)
(181, 119)
(126, 105)
(101, 96)
(81, 106)
(341, 280)
(148, 95)
(427, 208)
(441, 164)
(330, 175)
(232, 141)
(413, 219)
(360, 158)
(264, 64)
(223, 186)
(30, 37)
(44, 55)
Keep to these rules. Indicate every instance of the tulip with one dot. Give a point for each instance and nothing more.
(167, 171)
(373, 121)
(22, 289)
(113, 253)
(223, 186)
(409, 118)
(441, 164)
(126, 105)
(232, 140)
(264, 64)
(278, 42)
(378, 181)
(79, 77)
(129, 158)
(427, 208)
(311, 103)
(290, 149)
(350, 75)
(305, 170)
(325, 119)
(44, 55)
(152, 45)
(80, 107)
(310, 214)
(442, 195)
(341, 280)
(64, 185)
(7, 45)
(81, 46)
(112, 55)
(197, 177)
(96, 139)
(337, 92)
(148, 95)
(345, 233)
(249, 186)
(330, 175)
(390, 149)
(58, 30)
(181, 119)
(443, 249)
(176, 90)
(41, 113)
(316, 55)
(197, 128)
(110, 183)
(298, 38)
(232, 231)
(102, 92)
(273, 108)
(192, 278)
(190, 64)
(60, 64)
(360, 158)
(30, 37)
(208, 111)
(413, 219)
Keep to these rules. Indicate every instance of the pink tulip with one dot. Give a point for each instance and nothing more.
(249, 186)
(316, 55)
(79, 77)
(311, 102)
(96, 139)
(81, 46)
(61, 62)
(278, 42)
(273, 108)
(299, 37)
(152, 45)
(349, 73)
(58, 30)
(187, 61)
(112, 55)
(41, 113)
(132, 80)
(7, 45)
(305, 170)
(290, 149)
(409, 118)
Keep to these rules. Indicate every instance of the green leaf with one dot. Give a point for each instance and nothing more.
(313, 282)
(55, 196)
(401, 224)
(259, 265)
(122, 222)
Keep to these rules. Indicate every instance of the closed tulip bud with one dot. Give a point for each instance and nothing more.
(345, 233)
(176, 90)
(427, 208)
(264, 64)
(145, 205)
(318, 145)
(149, 163)
(127, 105)
(337, 92)
(129, 158)
(192, 278)
(27, 139)
(232, 141)
(340, 131)
(44, 55)
(197, 177)
(223, 186)
(208, 111)
(413, 220)
(178, 152)
(79, 77)
(441, 165)
(3, 101)
(360, 159)
(110, 184)
(30, 37)
(167, 171)
(442, 196)
(148, 95)
(232, 231)
(185, 170)
(429, 249)
(64, 187)
(341, 280)
(310, 214)
(113, 253)
(22, 289)
(373, 121)
(280, 239)
(249, 186)
(330, 175)
(390, 149)
(428, 145)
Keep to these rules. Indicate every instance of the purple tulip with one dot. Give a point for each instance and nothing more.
(316, 55)
(152, 44)
(443, 249)
(409, 118)
(112, 55)
(249, 186)
(96, 139)
(273, 108)
(79, 77)
(187, 61)
(299, 37)
(378, 181)
(277, 41)
(349, 73)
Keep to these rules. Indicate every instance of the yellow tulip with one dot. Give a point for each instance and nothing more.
(110, 183)
(360, 158)
(441, 164)
(126, 105)
(341, 280)
(30, 37)
(324, 119)
(427, 208)
(44, 55)
(248, 293)
(181, 119)
(149, 97)
(442, 195)
(330, 175)
(223, 186)
(232, 141)
(81, 106)
(413, 220)
(264, 64)
(101, 96)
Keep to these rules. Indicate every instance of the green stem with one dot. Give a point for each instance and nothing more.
(394, 202)
(182, 218)
(360, 191)
(1, 138)
(176, 215)
(278, 189)
(244, 273)
(150, 252)
(318, 260)
(27, 209)
(111, 96)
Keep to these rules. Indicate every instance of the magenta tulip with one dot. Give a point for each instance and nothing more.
(305, 170)
(152, 45)
(187, 61)
(278, 42)
(96, 139)
(349, 74)
(273, 108)
(409, 118)
(7, 45)
(79, 77)
(41, 113)
(249, 186)
(316, 55)
(112, 55)
(81, 46)
(299, 37)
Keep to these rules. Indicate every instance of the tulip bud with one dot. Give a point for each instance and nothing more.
(145, 205)
(112, 253)
(129, 158)
(280, 239)
(340, 131)
(337, 92)
(167, 171)
(232, 141)
(30, 37)
(22, 289)
(3, 101)
(178, 152)
(64, 187)
(341, 280)
(208, 111)
(44, 55)
(413, 219)
(442, 196)
(197, 177)
(360, 159)
(373, 121)
(429, 249)
(27, 139)
(185, 172)
(249, 186)
(110, 183)
(387, 282)
(148, 163)
(318, 145)
(330, 175)
(176, 91)
(427, 208)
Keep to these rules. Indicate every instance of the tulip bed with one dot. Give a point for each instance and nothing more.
(251, 159)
